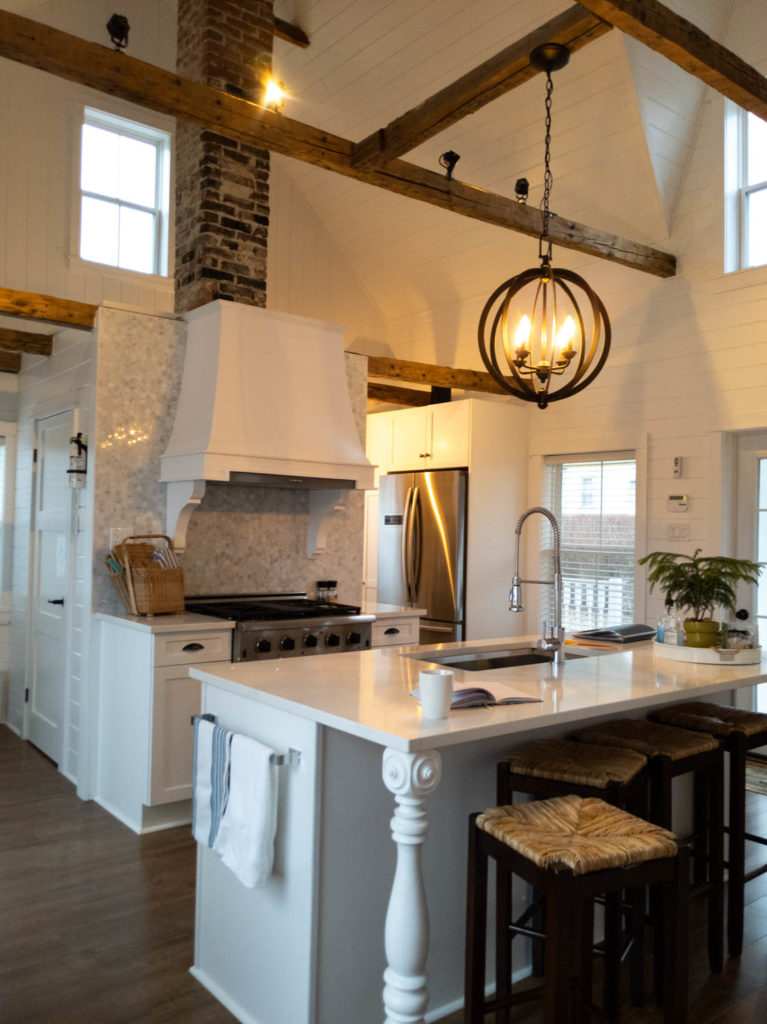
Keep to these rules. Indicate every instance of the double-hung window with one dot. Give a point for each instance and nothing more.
(745, 189)
(124, 190)
(594, 500)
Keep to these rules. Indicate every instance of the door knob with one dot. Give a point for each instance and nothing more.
(57, 600)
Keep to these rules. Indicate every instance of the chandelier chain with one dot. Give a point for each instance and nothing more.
(548, 177)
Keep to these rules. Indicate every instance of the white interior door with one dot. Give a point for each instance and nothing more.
(51, 586)
(752, 543)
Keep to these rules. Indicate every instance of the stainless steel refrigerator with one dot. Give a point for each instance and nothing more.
(422, 548)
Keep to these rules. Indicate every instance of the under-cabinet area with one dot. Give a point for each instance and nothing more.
(146, 701)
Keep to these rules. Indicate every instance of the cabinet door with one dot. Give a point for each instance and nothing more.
(410, 439)
(449, 446)
(176, 699)
(378, 446)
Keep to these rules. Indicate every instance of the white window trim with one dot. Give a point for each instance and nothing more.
(532, 552)
(109, 106)
(736, 193)
(8, 430)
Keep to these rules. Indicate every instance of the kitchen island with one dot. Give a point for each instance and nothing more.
(311, 946)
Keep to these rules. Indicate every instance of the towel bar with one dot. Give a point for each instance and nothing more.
(292, 758)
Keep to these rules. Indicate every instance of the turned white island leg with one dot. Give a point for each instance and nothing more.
(411, 778)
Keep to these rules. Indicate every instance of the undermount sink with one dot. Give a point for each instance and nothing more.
(484, 659)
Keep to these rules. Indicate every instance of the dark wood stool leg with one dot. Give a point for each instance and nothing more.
(715, 841)
(476, 927)
(612, 958)
(701, 806)
(675, 926)
(585, 989)
(503, 917)
(637, 899)
(560, 898)
(736, 858)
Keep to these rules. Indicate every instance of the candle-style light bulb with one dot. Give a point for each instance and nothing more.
(522, 333)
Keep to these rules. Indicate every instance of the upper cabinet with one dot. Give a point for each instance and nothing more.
(431, 437)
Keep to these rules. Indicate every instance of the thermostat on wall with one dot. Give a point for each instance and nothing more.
(677, 503)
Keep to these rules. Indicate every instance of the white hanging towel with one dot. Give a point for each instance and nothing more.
(246, 836)
(203, 756)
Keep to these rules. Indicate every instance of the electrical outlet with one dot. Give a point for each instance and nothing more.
(684, 531)
(677, 532)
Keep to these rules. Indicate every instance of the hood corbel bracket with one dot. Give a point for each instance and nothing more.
(322, 506)
(182, 498)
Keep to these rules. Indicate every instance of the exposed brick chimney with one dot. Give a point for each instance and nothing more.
(222, 185)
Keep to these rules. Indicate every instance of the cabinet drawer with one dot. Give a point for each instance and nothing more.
(392, 632)
(189, 648)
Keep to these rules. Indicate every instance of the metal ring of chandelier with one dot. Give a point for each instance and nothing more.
(530, 376)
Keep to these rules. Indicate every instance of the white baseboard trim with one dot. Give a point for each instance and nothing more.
(226, 1000)
(13, 728)
(134, 826)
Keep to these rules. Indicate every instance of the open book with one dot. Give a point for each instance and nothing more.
(618, 634)
(480, 697)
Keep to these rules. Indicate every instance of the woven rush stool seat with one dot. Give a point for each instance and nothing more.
(558, 767)
(739, 731)
(573, 849)
(672, 752)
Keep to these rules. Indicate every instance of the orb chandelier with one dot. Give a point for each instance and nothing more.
(544, 334)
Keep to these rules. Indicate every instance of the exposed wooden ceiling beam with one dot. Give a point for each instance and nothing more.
(32, 306)
(511, 67)
(397, 396)
(428, 373)
(290, 33)
(120, 75)
(10, 362)
(686, 45)
(25, 341)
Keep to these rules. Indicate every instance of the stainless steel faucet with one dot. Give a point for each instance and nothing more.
(555, 641)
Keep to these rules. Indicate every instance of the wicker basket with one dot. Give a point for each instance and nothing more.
(144, 587)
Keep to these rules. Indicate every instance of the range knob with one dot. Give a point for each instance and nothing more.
(353, 638)
(310, 640)
(332, 640)
(263, 646)
(287, 643)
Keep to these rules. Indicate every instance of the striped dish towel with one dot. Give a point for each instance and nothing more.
(212, 747)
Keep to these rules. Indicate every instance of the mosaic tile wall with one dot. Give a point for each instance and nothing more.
(239, 539)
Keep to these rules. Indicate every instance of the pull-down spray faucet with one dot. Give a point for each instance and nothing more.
(555, 640)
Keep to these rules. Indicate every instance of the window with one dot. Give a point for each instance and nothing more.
(124, 189)
(594, 500)
(745, 189)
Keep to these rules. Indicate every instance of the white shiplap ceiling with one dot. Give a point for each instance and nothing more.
(624, 121)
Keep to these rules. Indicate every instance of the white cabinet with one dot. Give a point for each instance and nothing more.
(391, 632)
(431, 437)
(146, 701)
(490, 438)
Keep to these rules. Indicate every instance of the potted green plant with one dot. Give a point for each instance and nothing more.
(699, 584)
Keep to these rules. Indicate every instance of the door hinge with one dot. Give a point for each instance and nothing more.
(26, 696)
(34, 456)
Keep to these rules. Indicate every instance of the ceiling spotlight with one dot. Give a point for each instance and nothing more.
(118, 29)
(448, 161)
(521, 189)
(544, 334)
(274, 96)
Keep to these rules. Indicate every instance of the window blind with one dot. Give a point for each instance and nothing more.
(594, 500)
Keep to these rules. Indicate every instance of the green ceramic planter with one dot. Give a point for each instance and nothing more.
(700, 634)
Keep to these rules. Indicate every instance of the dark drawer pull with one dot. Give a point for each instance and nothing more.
(193, 647)
(391, 631)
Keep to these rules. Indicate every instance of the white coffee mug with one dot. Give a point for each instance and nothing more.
(435, 686)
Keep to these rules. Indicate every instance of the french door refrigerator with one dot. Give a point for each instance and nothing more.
(422, 548)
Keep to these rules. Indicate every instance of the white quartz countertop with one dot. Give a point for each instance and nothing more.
(390, 611)
(367, 694)
(183, 622)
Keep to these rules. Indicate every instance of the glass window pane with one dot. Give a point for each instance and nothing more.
(138, 164)
(100, 161)
(756, 169)
(762, 499)
(136, 240)
(756, 227)
(99, 225)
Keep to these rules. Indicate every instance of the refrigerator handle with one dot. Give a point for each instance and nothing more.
(415, 571)
(406, 545)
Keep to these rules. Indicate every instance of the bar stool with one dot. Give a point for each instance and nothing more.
(557, 767)
(572, 849)
(739, 732)
(672, 752)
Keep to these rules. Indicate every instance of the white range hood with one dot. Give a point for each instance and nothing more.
(264, 401)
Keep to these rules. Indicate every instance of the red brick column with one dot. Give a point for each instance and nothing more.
(222, 185)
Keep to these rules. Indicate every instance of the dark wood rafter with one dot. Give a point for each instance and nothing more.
(437, 376)
(290, 33)
(686, 45)
(508, 69)
(25, 341)
(397, 396)
(102, 69)
(31, 306)
(10, 362)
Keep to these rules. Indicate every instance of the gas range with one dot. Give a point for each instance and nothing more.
(286, 625)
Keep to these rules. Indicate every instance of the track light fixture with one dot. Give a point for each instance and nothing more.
(448, 160)
(118, 29)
